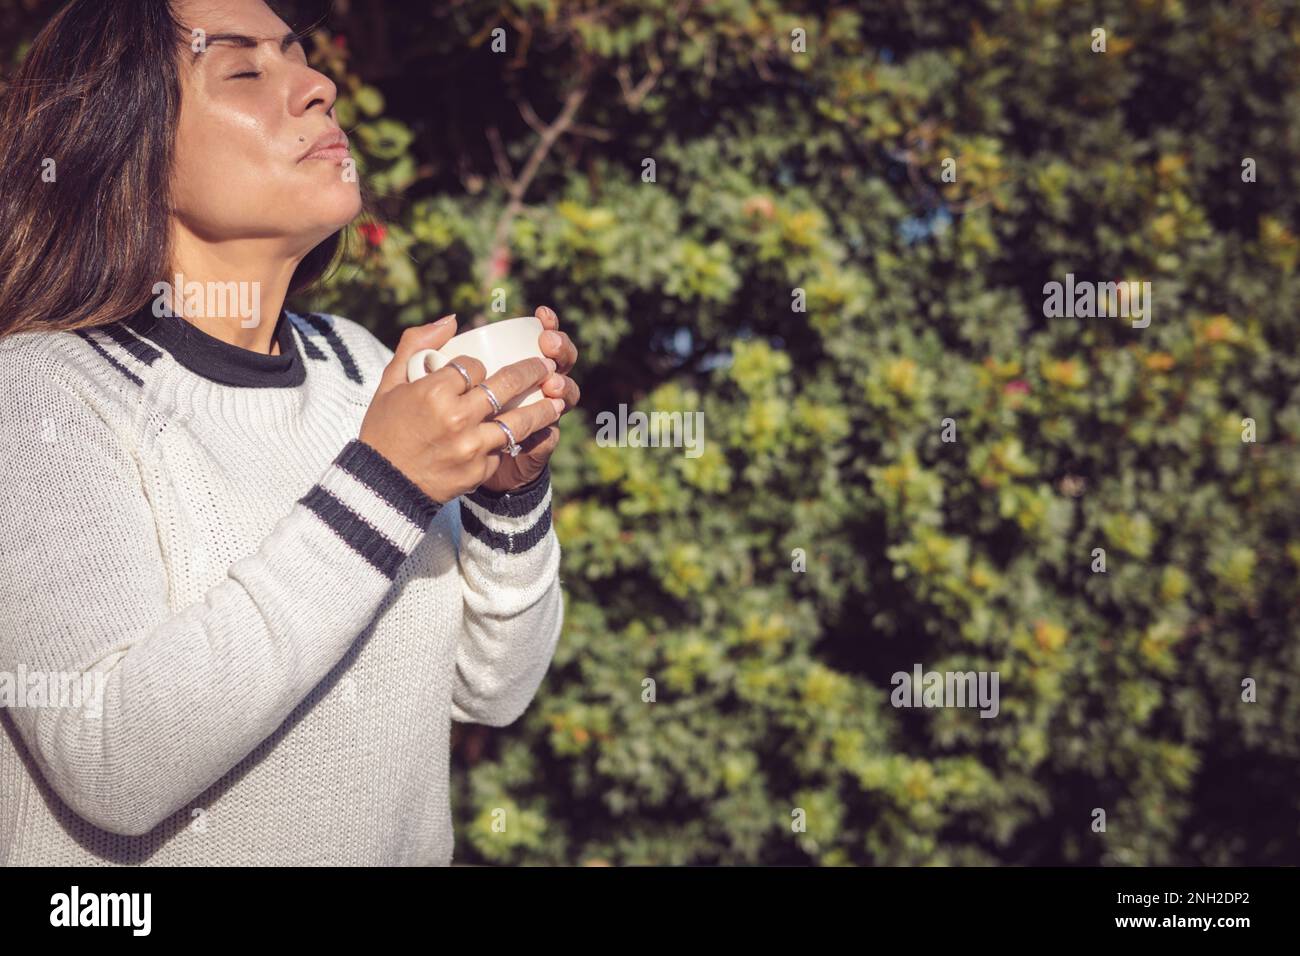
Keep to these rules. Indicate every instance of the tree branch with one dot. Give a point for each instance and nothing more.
(499, 154)
(633, 94)
(517, 186)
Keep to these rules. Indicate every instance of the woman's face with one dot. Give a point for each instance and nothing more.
(250, 112)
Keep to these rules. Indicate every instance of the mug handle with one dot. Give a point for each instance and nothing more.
(423, 362)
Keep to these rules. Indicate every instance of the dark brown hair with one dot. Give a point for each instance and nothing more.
(99, 94)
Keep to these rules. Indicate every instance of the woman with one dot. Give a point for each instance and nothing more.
(276, 569)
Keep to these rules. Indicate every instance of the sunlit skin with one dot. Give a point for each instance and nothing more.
(247, 205)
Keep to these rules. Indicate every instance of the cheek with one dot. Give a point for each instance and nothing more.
(232, 180)
(222, 172)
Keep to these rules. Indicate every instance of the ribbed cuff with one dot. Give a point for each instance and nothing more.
(519, 501)
(513, 521)
(374, 508)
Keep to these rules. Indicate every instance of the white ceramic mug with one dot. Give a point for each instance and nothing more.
(495, 345)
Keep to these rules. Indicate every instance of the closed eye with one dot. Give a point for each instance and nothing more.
(253, 73)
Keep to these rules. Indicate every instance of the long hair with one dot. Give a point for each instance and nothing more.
(87, 133)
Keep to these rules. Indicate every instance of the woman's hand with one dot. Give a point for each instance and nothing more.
(536, 451)
(441, 432)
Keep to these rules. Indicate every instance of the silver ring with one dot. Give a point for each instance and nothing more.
(464, 374)
(496, 406)
(510, 437)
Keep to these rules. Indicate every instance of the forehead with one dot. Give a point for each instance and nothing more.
(249, 17)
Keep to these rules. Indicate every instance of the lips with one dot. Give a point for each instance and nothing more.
(332, 146)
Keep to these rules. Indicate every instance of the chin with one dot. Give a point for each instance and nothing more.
(334, 206)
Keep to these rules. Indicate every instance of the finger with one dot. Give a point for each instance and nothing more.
(428, 336)
(560, 347)
(507, 384)
(541, 443)
(522, 422)
(563, 387)
(448, 381)
(549, 319)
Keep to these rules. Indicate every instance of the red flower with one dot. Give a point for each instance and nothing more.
(1016, 387)
(374, 232)
(500, 265)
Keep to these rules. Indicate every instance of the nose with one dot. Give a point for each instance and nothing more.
(316, 91)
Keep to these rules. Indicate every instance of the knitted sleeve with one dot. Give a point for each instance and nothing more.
(183, 695)
(509, 559)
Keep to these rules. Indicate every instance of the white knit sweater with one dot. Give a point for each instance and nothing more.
(283, 625)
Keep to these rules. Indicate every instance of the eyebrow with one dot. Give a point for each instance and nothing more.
(241, 40)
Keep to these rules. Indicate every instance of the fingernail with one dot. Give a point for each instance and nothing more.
(558, 403)
(550, 363)
(445, 319)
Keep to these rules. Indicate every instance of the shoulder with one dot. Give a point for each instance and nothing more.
(329, 337)
(42, 364)
(49, 385)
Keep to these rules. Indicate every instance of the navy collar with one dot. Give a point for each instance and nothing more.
(218, 361)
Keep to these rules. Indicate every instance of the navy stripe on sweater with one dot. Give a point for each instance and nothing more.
(332, 337)
(515, 542)
(381, 476)
(308, 346)
(510, 504)
(357, 533)
(111, 361)
(141, 349)
(517, 503)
